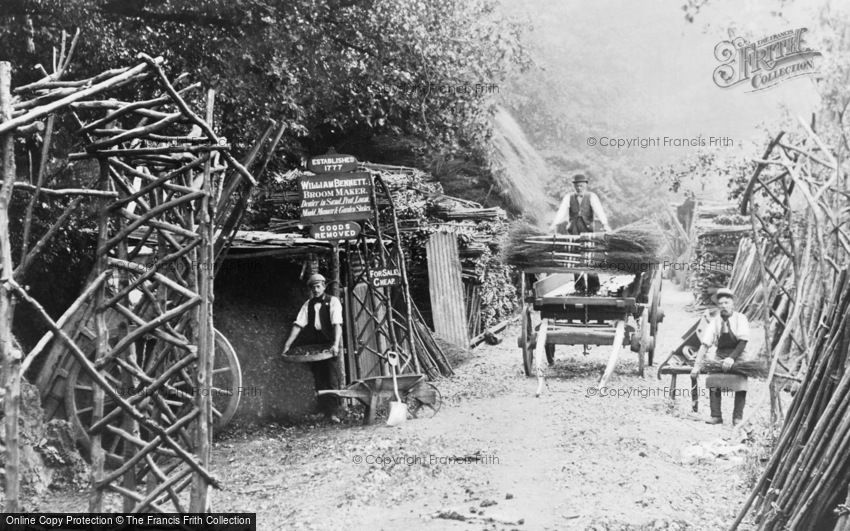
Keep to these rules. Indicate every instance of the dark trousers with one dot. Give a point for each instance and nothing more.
(325, 372)
(592, 285)
(715, 394)
(326, 376)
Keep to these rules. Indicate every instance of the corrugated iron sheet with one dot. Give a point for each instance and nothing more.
(448, 307)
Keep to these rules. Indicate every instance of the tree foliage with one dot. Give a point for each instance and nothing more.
(333, 71)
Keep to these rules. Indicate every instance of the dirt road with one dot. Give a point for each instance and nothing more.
(624, 458)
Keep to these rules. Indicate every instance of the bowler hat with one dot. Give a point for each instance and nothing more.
(314, 278)
(579, 178)
(722, 292)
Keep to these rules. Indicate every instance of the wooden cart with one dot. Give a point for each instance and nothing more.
(628, 316)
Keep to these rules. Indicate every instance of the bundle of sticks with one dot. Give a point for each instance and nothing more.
(631, 248)
(432, 358)
(806, 478)
(754, 368)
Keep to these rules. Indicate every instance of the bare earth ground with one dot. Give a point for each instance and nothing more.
(565, 460)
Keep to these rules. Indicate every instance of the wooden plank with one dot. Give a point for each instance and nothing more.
(368, 363)
(615, 351)
(446, 288)
(542, 288)
(540, 355)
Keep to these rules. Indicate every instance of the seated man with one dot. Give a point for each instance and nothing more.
(578, 213)
(320, 323)
(729, 331)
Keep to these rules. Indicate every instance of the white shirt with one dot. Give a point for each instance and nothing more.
(738, 325)
(564, 210)
(335, 310)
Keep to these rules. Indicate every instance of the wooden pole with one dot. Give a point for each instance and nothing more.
(199, 497)
(335, 290)
(40, 112)
(129, 381)
(98, 456)
(11, 368)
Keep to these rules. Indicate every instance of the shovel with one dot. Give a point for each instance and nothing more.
(398, 409)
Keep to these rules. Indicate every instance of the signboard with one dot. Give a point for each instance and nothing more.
(390, 276)
(335, 231)
(332, 163)
(336, 197)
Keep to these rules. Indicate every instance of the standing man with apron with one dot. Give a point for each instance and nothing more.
(319, 323)
(729, 331)
(578, 213)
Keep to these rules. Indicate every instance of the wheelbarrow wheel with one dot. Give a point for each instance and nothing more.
(423, 401)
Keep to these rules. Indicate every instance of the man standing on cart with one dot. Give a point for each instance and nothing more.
(579, 212)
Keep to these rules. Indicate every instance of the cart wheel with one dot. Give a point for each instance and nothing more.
(527, 347)
(656, 314)
(527, 329)
(227, 380)
(423, 400)
(79, 407)
(644, 339)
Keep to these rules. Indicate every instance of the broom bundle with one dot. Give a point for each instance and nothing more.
(754, 368)
(631, 248)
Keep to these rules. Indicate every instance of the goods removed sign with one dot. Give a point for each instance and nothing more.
(336, 197)
(388, 276)
(335, 231)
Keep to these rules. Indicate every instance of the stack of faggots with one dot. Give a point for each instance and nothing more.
(630, 249)
(718, 232)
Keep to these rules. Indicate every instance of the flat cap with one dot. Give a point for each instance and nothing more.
(723, 292)
(314, 278)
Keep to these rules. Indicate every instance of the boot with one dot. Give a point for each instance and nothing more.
(714, 402)
(738, 411)
(550, 354)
